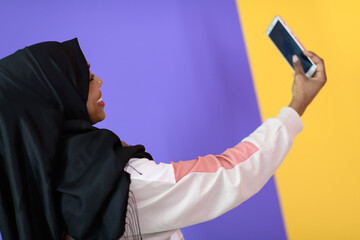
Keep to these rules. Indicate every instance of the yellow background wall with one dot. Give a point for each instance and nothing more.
(319, 182)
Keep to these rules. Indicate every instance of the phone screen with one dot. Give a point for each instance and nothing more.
(287, 46)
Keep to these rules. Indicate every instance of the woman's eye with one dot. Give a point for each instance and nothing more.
(91, 77)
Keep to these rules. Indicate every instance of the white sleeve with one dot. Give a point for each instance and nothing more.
(176, 195)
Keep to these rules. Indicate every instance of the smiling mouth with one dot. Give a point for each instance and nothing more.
(100, 102)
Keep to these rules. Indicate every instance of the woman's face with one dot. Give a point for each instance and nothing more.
(95, 105)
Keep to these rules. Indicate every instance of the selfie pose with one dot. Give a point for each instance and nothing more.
(62, 178)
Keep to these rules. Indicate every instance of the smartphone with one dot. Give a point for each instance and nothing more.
(288, 44)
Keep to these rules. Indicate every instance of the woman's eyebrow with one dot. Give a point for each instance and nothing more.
(89, 66)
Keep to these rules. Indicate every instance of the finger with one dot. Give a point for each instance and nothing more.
(320, 73)
(297, 65)
(313, 56)
(316, 59)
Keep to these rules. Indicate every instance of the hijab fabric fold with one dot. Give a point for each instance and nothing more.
(58, 173)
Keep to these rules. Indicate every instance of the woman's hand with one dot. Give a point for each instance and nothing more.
(305, 89)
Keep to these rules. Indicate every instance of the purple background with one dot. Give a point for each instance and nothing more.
(176, 79)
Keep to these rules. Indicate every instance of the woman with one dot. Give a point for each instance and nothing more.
(62, 177)
(58, 173)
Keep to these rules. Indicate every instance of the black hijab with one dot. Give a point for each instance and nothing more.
(58, 173)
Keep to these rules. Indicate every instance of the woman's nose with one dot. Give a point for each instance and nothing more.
(99, 81)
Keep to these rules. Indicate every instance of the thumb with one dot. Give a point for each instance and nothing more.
(297, 65)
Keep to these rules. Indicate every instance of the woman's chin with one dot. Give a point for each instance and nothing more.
(97, 118)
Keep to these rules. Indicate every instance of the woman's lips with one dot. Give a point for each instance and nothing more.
(100, 102)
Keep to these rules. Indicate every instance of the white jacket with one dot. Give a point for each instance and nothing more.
(176, 195)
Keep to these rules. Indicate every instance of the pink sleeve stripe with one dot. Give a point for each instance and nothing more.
(211, 163)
